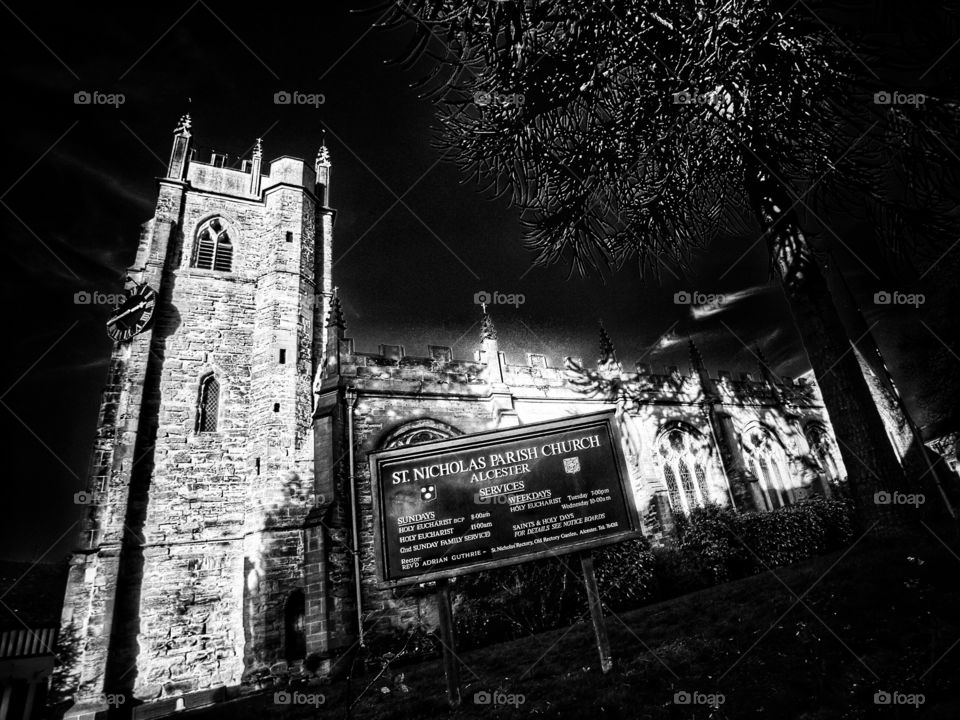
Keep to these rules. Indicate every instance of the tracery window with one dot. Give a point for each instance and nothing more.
(823, 451)
(682, 455)
(768, 461)
(213, 249)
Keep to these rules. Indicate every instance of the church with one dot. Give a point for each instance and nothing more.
(228, 527)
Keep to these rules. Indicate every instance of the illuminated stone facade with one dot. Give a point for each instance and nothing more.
(217, 546)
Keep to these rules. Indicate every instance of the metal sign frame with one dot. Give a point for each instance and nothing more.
(604, 421)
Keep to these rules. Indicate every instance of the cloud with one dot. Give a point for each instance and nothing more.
(668, 340)
(672, 339)
(719, 302)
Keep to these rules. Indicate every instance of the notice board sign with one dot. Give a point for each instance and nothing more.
(498, 498)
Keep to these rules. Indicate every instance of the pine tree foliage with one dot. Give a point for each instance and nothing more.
(630, 130)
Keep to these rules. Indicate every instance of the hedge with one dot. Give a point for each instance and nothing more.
(714, 544)
(724, 545)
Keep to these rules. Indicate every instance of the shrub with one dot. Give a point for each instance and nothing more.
(839, 521)
(707, 540)
(676, 575)
(715, 544)
(727, 545)
(400, 646)
(511, 602)
(625, 574)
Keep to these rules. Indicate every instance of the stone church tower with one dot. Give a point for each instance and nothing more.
(192, 560)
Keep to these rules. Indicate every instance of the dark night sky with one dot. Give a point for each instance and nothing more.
(78, 180)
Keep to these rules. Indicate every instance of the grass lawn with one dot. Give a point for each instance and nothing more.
(813, 640)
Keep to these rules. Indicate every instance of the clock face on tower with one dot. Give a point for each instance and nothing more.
(132, 315)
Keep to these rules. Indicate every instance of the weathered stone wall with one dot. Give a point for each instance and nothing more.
(194, 597)
(396, 391)
(198, 492)
(280, 407)
(217, 179)
(96, 584)
(378, 415)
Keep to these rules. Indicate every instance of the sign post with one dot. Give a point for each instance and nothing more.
(504, 497)
(596, 611)
(449, 640)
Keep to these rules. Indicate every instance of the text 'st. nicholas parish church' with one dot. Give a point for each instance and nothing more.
(217, 542)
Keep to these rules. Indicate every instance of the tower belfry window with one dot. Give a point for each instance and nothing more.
(208, 404)
(214, 248)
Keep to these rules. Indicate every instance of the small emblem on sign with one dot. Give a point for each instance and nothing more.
(571, 465)
(428, 493)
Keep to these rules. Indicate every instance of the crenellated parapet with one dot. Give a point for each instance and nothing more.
(438, 371)
(212, 175)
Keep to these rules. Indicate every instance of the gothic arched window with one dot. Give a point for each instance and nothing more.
(682, 455)
(771, 489)
(769, 464)
(823, 451)
(208, 404)
(673, 487)
(214, 248)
